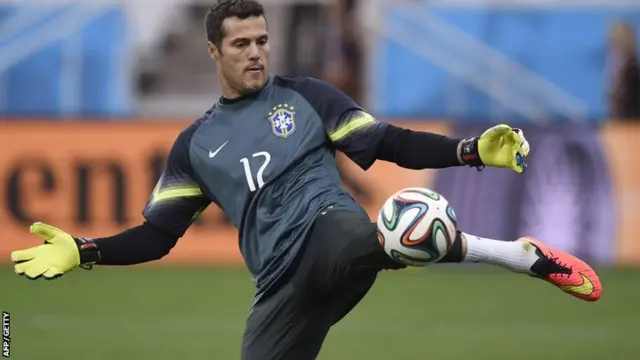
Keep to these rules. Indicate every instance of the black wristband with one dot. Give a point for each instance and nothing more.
(469, 153)
(89, 252)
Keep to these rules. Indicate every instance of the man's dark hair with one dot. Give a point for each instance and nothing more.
(224, 9)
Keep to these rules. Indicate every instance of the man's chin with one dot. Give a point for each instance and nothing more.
(254, 84)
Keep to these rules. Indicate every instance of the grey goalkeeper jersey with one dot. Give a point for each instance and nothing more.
(268, 161)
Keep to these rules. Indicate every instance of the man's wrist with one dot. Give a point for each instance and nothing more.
(468, 153)
(89, 252)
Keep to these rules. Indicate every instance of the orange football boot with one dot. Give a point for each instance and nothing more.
(565, 271)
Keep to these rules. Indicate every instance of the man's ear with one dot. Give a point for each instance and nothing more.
(214, 52)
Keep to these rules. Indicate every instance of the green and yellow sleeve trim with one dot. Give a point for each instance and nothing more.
(160, 195)
(356, 122)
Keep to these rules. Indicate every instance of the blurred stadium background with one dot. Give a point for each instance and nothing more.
(93, 93)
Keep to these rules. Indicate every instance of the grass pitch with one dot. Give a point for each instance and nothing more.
(164, 313)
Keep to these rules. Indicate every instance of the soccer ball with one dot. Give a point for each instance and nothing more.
(416, 226)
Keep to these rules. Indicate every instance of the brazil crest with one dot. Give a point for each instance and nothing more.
(282, 119)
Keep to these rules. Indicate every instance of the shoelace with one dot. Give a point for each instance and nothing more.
(555, 260)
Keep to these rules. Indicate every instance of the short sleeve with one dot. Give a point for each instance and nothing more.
(349, 127)
(177, 199)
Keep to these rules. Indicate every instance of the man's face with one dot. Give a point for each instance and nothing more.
(244, 54)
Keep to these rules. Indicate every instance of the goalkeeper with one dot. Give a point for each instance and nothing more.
(264, 153)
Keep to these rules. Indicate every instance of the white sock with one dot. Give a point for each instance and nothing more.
(516, 256)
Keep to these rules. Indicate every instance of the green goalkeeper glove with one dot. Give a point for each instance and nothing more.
(501, 146)
(59, 254)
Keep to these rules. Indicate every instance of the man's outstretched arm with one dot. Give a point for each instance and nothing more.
(499, 146)
(367, 139)
(172, 207)
(140, 244)
(364, 139)
(62, 253)
(418, 150)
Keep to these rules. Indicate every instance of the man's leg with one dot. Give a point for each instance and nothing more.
(351, 260)
(292, 322)
(512, 255)
(532, 257)
(285, 326)
(339, 265)
(348, 294)
(361, 252)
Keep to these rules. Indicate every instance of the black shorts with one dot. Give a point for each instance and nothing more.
(335, 271)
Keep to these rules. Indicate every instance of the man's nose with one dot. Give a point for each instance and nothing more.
(253, 52)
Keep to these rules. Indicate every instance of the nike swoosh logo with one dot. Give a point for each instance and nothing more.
(586, 288)
(212, 154)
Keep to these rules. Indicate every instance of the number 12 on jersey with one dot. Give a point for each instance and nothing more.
(249, 173)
